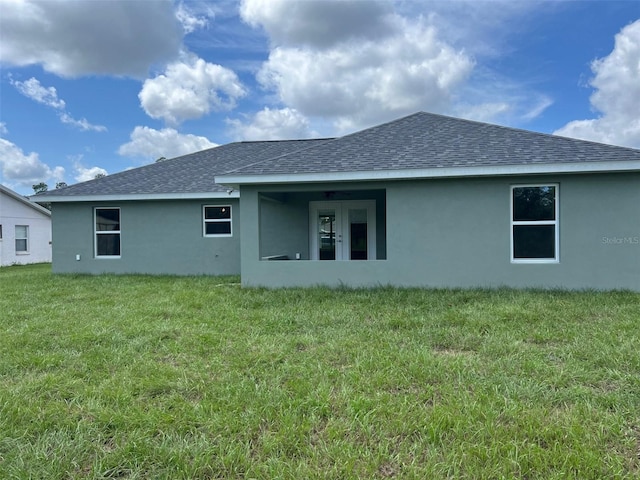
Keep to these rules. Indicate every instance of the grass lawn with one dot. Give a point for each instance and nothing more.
(195, 378)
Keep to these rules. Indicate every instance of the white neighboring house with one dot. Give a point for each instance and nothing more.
(25, 230)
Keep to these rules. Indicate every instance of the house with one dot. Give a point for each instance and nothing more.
(25, 230)
(425, 200)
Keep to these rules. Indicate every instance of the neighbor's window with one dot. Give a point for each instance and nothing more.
(217, 221)
(107, 223)
(22, 239)
(534, 223)
(0, 232)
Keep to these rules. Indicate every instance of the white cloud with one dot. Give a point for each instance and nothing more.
(152, 144)
(190, 89)
(3, 128)
(84, 174)
(190, 18)
(267, 124)
(82, 124)
(25, 170)
(72, 38)
(35, 91)
(355, 76)
(616, 96)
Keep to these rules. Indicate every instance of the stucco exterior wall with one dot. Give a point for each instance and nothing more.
(12, 213)
(158, 237)
(456, 233)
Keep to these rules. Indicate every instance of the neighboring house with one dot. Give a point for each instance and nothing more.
(426, 200)
(25, 230)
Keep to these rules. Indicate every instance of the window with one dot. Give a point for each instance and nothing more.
(107, 224)
(22, 239)
(534, 223)
(217, 221)
(0, 231)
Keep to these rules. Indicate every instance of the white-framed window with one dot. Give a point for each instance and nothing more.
(107, 232)
(534, 223)
(217, 220)
(22, 239)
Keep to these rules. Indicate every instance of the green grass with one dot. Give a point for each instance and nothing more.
(195, 378)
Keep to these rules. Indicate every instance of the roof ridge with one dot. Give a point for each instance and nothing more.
(284, 140)
(269, 159)
(524, 130)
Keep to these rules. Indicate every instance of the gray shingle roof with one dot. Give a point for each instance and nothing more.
(416, 143)
(193, 173)
(426, 141)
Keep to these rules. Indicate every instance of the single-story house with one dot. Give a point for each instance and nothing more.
(425, 200)
(25, 230)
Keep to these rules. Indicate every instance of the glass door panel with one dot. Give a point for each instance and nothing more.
(327, 234)
(358, 234)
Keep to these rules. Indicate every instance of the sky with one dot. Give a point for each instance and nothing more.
(92, 87)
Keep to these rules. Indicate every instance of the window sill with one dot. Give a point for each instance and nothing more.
(533, 261)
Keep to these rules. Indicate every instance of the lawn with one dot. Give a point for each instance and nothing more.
(139, 377)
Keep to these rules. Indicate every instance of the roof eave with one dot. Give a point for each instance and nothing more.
(25, 200)
(134, 197)
(433, 172)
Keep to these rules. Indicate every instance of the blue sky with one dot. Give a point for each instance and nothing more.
(100, 86)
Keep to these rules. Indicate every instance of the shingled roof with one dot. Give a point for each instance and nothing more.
(426, 145)
(422, 145)
(181, 177)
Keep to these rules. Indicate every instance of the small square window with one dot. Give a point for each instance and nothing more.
(217, 221)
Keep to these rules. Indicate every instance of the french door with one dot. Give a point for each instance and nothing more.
(343, 230)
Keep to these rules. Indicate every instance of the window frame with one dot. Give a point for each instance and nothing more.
(206, 220)
(555, 223)
(25, 238)
(97, 232)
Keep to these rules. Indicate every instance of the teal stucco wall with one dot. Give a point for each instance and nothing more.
(158, 237)
(456, 233)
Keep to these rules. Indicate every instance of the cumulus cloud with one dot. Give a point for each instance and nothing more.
(152, 144)
(190, 89)
(268, 124)
(25, 169)
(35, 91)
(319, 24)
(89, 37)
(356, 76)
(84, 174)
(617, 94)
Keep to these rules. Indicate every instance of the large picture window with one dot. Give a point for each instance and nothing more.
(534, 223)
(217, 220)
(107, 230)
(22, 239)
